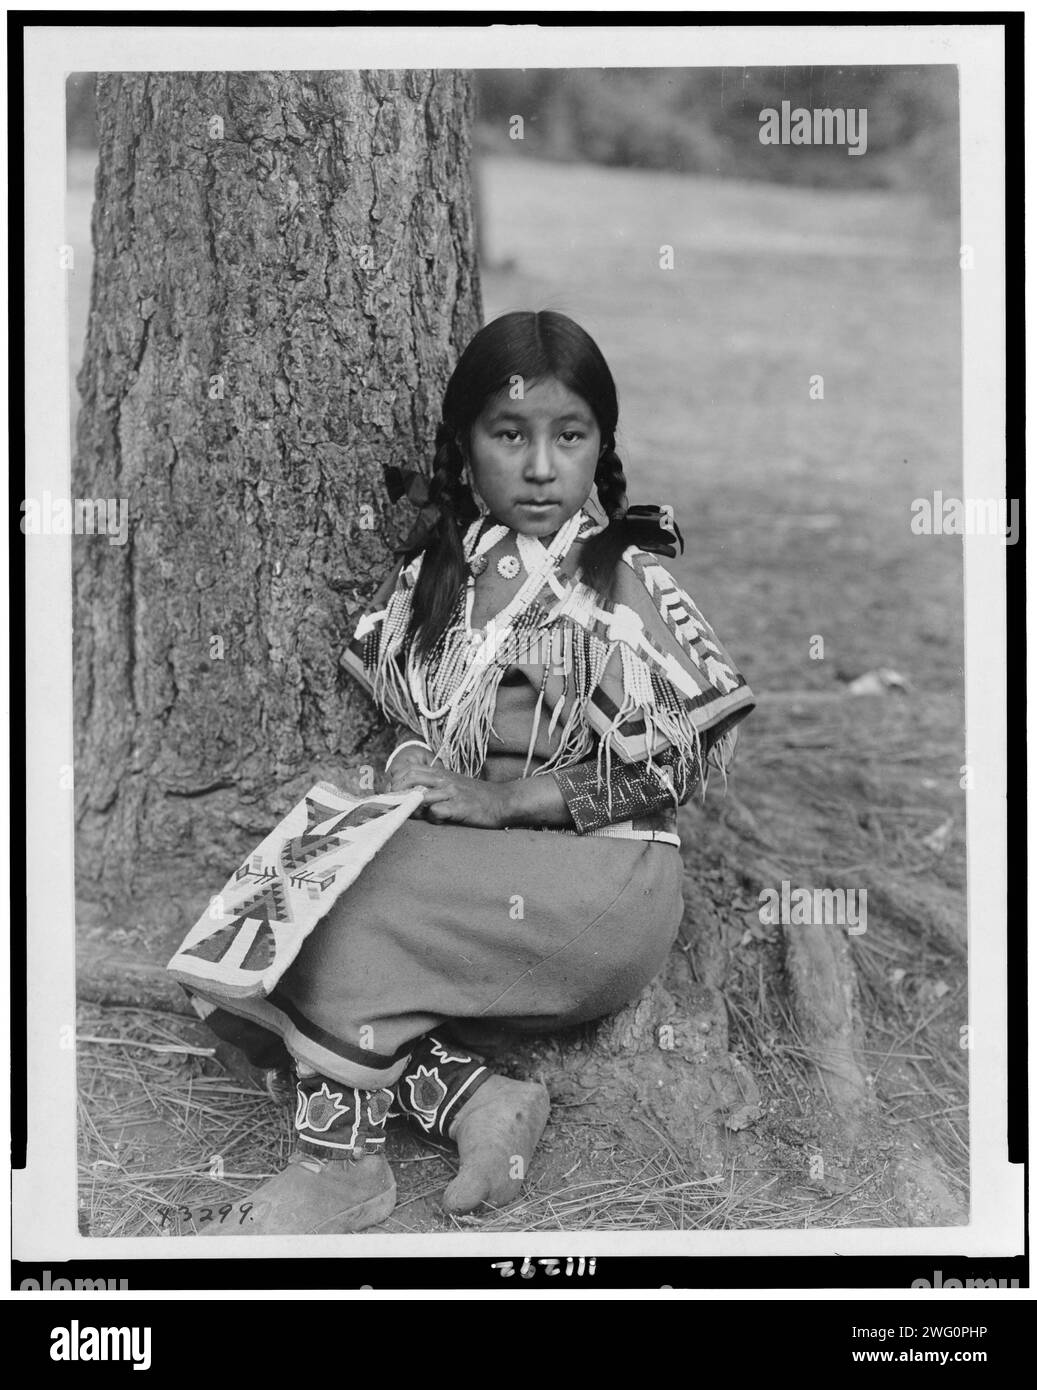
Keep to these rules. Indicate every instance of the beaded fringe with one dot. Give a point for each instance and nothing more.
(460, 729)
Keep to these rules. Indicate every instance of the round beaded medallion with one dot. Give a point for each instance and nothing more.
(508, 566)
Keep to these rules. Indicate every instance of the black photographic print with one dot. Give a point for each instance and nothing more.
(506, 778)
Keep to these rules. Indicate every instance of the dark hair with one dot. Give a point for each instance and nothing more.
(532, 346)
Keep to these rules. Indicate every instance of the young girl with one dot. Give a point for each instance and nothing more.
(557, 696)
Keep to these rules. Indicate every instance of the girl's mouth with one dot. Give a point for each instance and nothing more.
(530, 504)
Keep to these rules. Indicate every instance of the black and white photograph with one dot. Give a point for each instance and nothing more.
(515, 530)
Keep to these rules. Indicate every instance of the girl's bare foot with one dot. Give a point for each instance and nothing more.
(496, 1134)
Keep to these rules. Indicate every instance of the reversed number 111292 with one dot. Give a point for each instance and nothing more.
(552, 1268)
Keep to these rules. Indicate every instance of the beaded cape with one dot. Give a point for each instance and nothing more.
(630, 675)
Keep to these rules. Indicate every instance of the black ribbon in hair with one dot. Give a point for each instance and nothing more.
(654, 529)
(414, 485)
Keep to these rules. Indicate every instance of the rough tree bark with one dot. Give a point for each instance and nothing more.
(284, 274)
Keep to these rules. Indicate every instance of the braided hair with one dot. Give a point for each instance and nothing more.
(601, 553)
(443, 570)
(533, 347)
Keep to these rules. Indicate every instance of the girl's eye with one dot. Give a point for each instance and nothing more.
(571, 436)
(509, 435)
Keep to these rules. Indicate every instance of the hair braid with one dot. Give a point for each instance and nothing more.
(601, 553)
(443, 570)
(446, 487)
(611, 483)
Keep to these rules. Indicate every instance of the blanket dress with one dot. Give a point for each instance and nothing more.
(625, 701)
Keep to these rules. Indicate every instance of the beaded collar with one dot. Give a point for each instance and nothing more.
(540, 563)
(467, 665)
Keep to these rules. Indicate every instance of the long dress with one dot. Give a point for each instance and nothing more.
(525, 929)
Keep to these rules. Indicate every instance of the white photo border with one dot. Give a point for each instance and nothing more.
(45, 1192)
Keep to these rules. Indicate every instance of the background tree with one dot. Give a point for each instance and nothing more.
(284, 274)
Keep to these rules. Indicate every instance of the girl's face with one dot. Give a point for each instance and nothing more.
(533, 460)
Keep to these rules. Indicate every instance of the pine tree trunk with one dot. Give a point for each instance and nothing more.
(284, 274)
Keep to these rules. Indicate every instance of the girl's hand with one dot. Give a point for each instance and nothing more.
(451, 798)
(411, 757)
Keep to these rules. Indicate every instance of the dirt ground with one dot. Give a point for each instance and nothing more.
(796, 514)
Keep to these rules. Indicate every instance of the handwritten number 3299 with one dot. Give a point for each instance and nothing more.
(202, 1215)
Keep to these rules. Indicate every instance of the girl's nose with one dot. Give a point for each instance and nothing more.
(540, 461)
